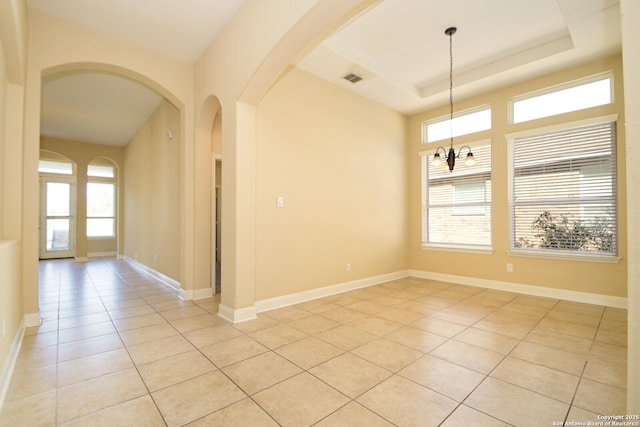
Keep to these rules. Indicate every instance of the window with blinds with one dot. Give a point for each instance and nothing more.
(101, 199)
(457, 206)
(563, 191)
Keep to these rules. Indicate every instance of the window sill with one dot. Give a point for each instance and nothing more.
(488, 250)
(565, 256)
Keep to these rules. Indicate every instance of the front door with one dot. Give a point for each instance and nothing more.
(57, 224)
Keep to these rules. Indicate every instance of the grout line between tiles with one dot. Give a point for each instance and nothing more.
(150, 298)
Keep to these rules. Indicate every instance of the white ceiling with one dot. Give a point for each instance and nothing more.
(398, 46)
(95, 107)
(179, 29)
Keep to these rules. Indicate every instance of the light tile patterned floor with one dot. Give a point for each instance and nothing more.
(118, 348)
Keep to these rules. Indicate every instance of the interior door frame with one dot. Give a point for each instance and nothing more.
(42, 228)
(216, 159)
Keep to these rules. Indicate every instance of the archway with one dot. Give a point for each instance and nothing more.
(151, 234)
(208, 157)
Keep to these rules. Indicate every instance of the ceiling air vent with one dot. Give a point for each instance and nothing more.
(353, 78)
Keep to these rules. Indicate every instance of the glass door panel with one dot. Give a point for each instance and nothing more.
(57, 235)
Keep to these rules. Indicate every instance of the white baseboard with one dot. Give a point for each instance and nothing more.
(32, 319)
(563, 294)
(172, 283)
(81, 259)
(299, 297)
(237, 316)
(197, 294)
(10, 361)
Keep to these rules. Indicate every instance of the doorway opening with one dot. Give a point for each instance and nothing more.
(57, 206)
(217, 209)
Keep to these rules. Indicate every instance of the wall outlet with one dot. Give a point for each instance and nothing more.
(280, 201)
(155, 258)
(348, 266)
(509, 267)
(4, 328)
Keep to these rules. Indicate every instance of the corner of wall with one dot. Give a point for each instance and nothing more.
(10, 362)
(239, 315)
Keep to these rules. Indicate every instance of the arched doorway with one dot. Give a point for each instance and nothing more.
(95, 113)
(209, 196)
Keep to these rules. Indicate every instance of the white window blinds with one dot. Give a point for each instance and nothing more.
(563, 195)
(457, 205)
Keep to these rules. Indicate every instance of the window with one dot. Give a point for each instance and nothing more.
(101, 199)
(463, 124)
(585, 94)
(101, 171)
(563, 191)
(469, 197)
(55, 166)
(457, 206)
(100, 209)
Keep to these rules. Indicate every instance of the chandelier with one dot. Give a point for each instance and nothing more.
(450, 158)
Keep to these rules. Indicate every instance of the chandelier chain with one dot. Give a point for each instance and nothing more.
(451, 86)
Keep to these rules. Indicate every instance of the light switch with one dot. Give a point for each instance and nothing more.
(280, 201)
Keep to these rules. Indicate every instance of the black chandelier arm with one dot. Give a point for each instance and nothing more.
(459, 156)
(444, 152)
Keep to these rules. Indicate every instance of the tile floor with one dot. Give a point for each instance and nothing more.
(117, 348)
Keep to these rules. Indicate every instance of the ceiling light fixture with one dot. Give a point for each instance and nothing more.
(450, 158)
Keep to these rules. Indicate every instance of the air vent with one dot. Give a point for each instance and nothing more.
(353, 78)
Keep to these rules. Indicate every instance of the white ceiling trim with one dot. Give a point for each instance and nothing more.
(501, 65)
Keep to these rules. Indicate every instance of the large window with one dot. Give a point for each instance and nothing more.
(563, 190)
(101, 201)
(572, 97)
(457, 206)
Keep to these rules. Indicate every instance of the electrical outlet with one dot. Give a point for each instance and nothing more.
(348, 266)
(509, 267)
(4, 328)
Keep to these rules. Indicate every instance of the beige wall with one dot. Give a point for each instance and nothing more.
(11, 312)
(216, 134)
(339, 161)
(13, 43)
(82, 154)
(3, 103)
(590, 277)
(630, 10)
(152, 193)
(269, 35)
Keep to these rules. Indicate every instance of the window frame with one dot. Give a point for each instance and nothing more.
(472, 172)
(457, 115)
(565, 254)
(114, 183)
(53, 172)
(557, 88)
